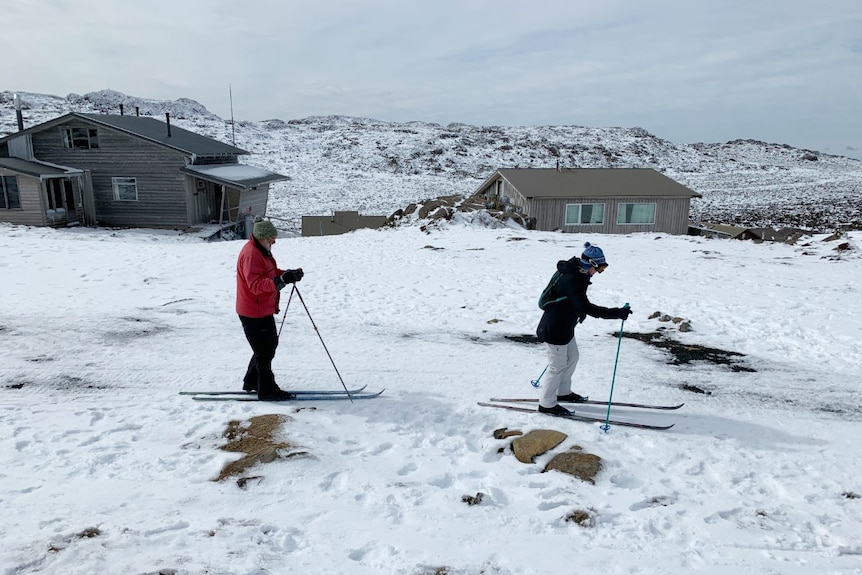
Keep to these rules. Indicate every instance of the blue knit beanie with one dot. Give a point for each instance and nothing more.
(592, 257)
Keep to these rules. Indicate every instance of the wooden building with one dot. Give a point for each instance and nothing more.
(594, 200)
(125, 171)
(339, 223)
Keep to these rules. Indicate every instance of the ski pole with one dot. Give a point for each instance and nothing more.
(607, 426)
(296, 289)
(284, 317)
(538, 381)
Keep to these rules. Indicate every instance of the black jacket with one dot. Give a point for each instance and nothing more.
(557, 325)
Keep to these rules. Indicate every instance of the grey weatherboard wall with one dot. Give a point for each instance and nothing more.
(172, 168)
(543, 194)
(30, 212)
(161, 187)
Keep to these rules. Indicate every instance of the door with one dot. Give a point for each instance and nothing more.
(60, 206)
(202, 202)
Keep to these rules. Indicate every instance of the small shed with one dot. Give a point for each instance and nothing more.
(339, 223)
(594, 200)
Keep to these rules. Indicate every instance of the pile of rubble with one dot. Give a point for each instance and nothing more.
(446, 208)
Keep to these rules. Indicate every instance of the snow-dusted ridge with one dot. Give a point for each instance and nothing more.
(376, 167)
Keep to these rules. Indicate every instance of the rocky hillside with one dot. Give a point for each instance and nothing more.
(339, 163)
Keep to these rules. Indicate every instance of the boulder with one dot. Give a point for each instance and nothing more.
(536, 443)
(584, 466)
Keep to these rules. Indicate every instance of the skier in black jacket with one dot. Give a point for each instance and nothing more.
(557, 326)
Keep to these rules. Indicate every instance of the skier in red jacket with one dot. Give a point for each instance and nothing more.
(258, 283)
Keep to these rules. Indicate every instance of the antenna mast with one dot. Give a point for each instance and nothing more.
(232, 129)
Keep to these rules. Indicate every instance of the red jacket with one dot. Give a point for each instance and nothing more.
(256, 295)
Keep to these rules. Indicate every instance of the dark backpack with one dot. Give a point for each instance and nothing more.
(549, 294)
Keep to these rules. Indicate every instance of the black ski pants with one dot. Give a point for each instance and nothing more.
(263, 339)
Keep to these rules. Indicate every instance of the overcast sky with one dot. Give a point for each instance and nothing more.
(784, 71)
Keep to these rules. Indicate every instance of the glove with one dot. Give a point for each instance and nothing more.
(288, 277)
(623, 313)
(292, 276)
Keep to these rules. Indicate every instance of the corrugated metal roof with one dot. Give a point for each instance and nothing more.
(149, 129)
(593, 183)
(234, 175)
(32, 168)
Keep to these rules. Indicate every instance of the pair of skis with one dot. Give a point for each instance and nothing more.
(298, 395)
(501, 404)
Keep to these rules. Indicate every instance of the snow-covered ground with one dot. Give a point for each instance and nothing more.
(104, 468)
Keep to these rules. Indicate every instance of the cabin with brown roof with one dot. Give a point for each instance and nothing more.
(594, 200)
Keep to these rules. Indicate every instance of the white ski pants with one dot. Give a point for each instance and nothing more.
(562, 361)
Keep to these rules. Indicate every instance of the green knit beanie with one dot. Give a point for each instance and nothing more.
(263, 229)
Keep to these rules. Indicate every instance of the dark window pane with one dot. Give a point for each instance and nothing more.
(80, 139)
(12, 197)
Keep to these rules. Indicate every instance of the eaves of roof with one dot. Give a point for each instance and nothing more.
(36, 168)
(146, 128)
(237, 176)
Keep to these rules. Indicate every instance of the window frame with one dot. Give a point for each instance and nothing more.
(621, 209)
(117, 182)
(71, 141)
(580, 207)
(5, 203)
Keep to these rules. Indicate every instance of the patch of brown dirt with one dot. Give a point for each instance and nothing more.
(255, 438)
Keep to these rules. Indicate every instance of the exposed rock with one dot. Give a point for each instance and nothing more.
(505, 432)
(694, 389)
(243, 481)
(584, 466)
(583, 517)
(686, 352)
(536, 443)
(473, 500)
(445, 207)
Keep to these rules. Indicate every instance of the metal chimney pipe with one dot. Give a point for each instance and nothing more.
(121, 110)
(168, 118)
(18, 115)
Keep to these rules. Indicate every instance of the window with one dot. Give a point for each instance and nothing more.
(80, 138)
(9, 198)
(636, 214)
(54, 194)
(585, 214)
(125, 189)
